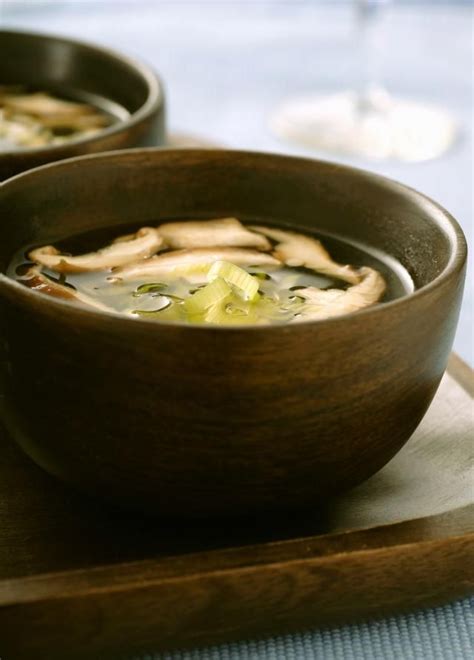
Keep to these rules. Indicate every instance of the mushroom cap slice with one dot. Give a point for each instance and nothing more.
(211, 233)
(144, 243)
(323, 304)
(179, 262)
(300, 250)
(43, 105)
(35, 279)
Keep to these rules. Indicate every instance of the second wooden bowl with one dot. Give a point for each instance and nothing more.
(84, 72)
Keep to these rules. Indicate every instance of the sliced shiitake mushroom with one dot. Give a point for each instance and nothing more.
(227, 232)
(322, 304)
(33, 278)
(300, 250)
(183, 262)
(144, 243)
(44, 106)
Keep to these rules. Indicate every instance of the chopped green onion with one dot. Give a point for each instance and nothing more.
(216, 314)
(155, 287)
(261, 275)
(150, 312)
(209, 295)
(297, 288)
(233, 310)
(246, 285)
(193, 291)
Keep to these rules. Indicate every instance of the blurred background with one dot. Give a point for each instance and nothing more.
(230, 68)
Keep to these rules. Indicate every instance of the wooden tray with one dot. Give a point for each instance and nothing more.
(78, 581)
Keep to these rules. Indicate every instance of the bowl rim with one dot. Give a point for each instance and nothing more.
(445, 221)
(153, 102)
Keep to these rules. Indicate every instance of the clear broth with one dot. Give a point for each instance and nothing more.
(162, 301)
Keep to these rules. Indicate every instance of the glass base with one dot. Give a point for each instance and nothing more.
(374, 126)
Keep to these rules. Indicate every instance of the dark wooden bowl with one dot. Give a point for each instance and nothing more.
(80, 70)
(198, 420)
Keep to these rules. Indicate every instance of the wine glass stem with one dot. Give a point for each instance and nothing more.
(370, 15)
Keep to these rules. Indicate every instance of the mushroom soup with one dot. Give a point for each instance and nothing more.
(32, 119)
(217, 272)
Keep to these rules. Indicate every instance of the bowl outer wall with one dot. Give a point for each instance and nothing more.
(201, 421)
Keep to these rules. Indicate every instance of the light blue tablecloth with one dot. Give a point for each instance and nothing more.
(445, 633)
(227, 66)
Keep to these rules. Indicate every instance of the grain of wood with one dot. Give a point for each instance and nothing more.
(85, 581)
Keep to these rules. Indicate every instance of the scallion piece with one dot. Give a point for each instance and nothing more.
(208, 296)
(261, 275)
(153, 287)
(246, 285)
(150, 312)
